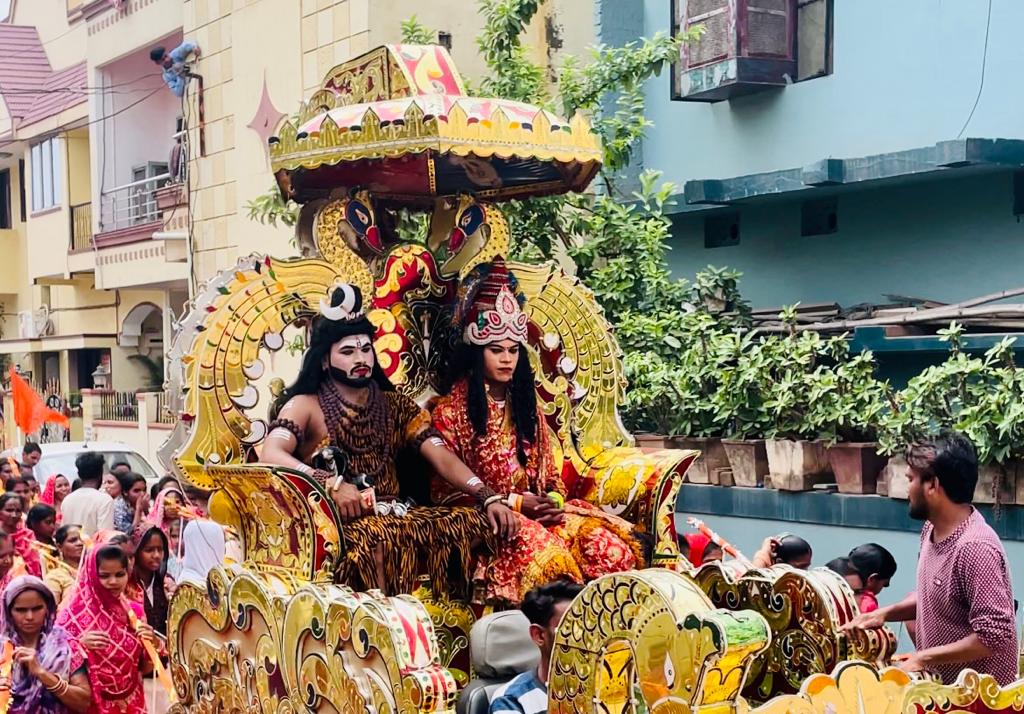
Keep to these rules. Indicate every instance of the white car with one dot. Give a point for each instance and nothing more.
(59, 458)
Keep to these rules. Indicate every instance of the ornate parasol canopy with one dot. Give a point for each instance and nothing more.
(396, 122)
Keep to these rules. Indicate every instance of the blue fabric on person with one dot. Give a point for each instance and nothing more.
(124, 515)
(174, 76)
(523, 695)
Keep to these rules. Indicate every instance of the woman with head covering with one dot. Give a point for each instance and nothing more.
(11, 522)
(48, 676)
(61, 578)
(204, 550)
(147, 584)
(98, 621)
(57, 488)
(166, 513)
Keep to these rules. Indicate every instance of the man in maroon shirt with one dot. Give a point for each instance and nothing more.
(963, 606)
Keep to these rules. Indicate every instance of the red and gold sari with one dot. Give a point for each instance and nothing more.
(587, 544)
(114, 674)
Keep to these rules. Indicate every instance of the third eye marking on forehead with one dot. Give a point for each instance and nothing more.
(354, 342)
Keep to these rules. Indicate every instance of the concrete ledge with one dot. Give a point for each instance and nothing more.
(830, 509)
(941, 159)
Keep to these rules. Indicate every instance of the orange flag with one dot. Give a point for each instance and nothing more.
(30, 412)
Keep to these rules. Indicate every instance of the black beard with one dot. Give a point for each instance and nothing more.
(355, 382)
(919, 512)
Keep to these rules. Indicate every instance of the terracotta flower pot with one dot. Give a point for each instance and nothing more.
(895, 476)
(748, 459)
(645, 440)
(1008, 476)
(856, 466)
(795, 465)
(708, 468)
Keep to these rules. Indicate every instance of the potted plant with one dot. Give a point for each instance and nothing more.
(980, 396)
(844, 408)
(797, 459)
(740, 402)
(697, 380)
(650, 402)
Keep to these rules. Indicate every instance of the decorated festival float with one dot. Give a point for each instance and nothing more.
(392, 133)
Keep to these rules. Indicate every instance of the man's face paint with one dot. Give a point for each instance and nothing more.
(352, 360)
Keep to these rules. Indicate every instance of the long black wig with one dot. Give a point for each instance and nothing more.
(468, 362)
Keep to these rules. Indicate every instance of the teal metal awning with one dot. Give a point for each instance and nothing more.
(874, 338)
(944, 159)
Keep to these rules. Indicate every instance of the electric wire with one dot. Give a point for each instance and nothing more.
(984, 64)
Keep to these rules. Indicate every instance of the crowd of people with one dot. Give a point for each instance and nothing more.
(88, 565)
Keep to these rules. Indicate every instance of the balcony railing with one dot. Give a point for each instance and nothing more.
(81, 227)
(119, 406)
(163, 412)
(132, 204)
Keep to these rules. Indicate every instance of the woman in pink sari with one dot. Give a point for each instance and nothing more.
(57, 488)
(166, 515)
(97, 620)
(11, 522)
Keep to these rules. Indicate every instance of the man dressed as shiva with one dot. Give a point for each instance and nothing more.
(490, 418)
(343, 399)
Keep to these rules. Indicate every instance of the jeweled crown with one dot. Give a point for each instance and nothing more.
(495, 313)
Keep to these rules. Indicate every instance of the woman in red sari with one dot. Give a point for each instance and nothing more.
(11, 522)
(490, 418)
(96, 618)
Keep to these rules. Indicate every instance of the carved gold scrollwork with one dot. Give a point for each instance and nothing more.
(805, 610)
(254, 644)
(650, 634)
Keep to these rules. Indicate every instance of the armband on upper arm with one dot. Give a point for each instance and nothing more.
(282, 428)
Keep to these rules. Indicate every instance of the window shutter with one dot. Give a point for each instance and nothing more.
(769, 28)
(717, 41)
(814, 38)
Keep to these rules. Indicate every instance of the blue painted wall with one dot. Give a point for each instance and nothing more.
(905, 75)
(948, 240)
(832, 541)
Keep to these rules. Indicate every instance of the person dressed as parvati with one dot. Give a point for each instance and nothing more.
(489, 416)
(343, 399)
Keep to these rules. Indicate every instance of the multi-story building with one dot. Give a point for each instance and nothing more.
(95, 252)
(841, 151)
(117, 197)
(261, 59)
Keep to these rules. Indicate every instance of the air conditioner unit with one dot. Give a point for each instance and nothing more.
(33, 324)
(746, 46)
(27, 328)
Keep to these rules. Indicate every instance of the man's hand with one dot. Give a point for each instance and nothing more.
(542, 509)
(911, 663)
(347, 499)
(504, 523)
(865, 621)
